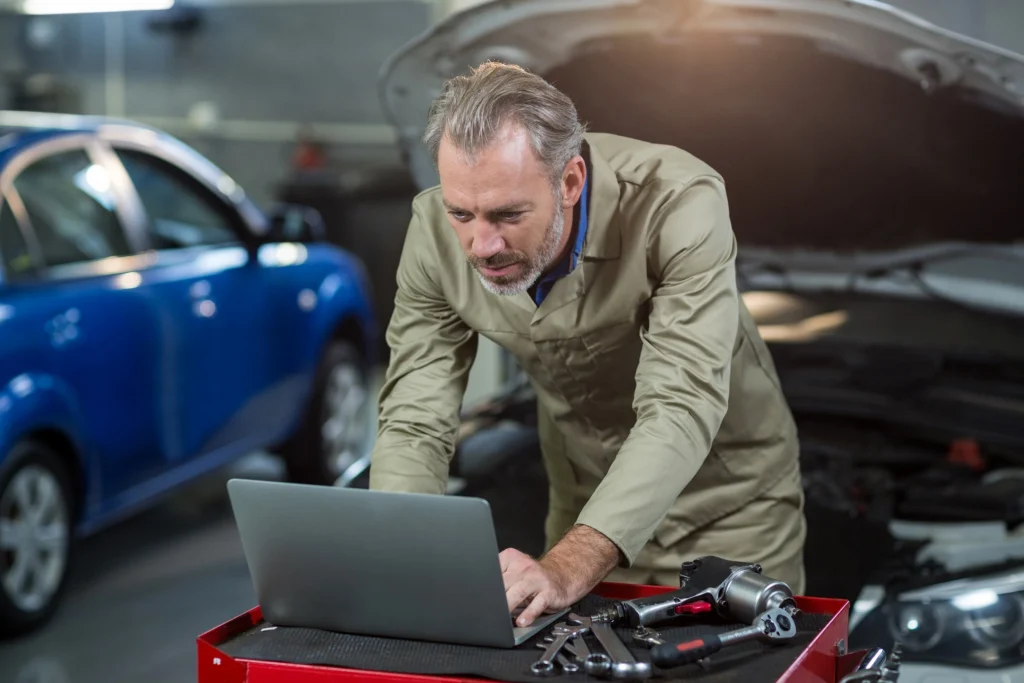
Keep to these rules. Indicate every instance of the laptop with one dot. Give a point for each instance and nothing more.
(377, 563)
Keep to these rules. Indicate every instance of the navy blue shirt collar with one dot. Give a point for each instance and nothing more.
(569, 261)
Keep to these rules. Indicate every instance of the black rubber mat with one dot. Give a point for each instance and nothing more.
(747, 662)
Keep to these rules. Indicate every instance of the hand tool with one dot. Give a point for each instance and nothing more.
(876, 667)
(619, 662)
(577, 646)
(737, 590)
(647, 636)
(569, 666)
(562, 632)
(775, 625)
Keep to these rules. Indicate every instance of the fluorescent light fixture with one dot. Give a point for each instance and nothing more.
(90, 6)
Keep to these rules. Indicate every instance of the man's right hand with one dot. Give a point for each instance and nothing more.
(532, 585)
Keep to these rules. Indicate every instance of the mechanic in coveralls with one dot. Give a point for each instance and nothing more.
(606, 266)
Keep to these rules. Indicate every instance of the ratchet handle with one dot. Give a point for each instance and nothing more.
(687, 652)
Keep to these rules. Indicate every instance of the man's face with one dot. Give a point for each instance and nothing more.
(504, 210)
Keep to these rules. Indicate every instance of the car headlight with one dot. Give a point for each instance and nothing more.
(976, 621)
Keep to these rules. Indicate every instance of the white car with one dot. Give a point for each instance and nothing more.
(873, 163)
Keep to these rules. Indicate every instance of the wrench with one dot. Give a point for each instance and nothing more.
(576, 646)
(619, 662)
(561, 634)
(568, 665)
(775, 625)
(647, 636)
(876, 667)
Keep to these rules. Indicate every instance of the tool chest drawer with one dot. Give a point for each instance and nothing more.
(248, 649)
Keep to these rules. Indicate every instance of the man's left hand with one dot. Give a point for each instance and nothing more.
(559, 579)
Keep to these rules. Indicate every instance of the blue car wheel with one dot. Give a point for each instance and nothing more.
(331, 443)
(36, 517)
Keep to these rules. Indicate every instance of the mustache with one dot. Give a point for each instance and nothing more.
(498, 260)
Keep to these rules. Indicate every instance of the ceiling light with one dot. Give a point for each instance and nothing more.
(89, 6)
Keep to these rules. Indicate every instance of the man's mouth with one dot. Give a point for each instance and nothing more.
(498, 272)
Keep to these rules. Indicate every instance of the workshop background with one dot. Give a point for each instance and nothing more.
(285, 98)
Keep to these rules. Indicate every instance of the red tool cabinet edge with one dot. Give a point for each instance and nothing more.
(819, 662)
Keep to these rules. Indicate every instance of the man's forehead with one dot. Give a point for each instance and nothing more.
(508, 154)
(497, 177)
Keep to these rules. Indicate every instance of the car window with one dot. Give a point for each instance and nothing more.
(70, 205)
(181, 212)
(17, 259)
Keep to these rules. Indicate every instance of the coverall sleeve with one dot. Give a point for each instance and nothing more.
(682, 380)
(432, 350)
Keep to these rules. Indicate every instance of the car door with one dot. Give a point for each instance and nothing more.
(211, 291)
(91, 338)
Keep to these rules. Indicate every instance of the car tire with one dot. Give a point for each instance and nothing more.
(332, 437)
(37, 526)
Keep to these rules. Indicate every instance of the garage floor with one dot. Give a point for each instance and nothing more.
(141, 594)
(145, 589)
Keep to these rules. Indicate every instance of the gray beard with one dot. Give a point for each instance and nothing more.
(544, 258)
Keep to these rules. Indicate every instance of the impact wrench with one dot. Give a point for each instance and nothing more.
(735, 590)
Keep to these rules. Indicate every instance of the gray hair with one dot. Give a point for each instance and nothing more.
(472, 108)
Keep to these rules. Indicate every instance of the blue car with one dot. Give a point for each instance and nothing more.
(155, 325)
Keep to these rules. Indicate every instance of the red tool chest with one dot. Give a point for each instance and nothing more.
(822, 661)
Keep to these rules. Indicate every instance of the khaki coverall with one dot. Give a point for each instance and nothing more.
(661, 418)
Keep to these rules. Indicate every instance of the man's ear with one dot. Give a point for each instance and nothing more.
(573, 177)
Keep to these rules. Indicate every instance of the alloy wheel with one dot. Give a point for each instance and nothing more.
(34, 529)
(344, 428)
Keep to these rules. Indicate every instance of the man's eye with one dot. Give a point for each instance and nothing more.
(511, 216)
(461, 216)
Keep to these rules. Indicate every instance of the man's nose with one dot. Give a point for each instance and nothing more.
(487, 241)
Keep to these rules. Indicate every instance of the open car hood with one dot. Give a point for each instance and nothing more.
(844, 129)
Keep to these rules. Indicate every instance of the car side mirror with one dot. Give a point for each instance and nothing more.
(296, 223)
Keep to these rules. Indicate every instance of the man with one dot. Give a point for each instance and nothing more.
(606, 266)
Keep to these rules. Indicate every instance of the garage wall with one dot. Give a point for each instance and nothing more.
(11, 63)
(240, 86)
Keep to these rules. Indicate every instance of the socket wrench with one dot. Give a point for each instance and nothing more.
(775, 625)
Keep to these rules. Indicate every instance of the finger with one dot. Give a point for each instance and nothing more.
(534, 609)
(506, 558)
(516, 593)
(512, 573)
(510, 578)
(519, 592)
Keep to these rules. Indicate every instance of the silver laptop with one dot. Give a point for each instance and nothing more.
(401, 565)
